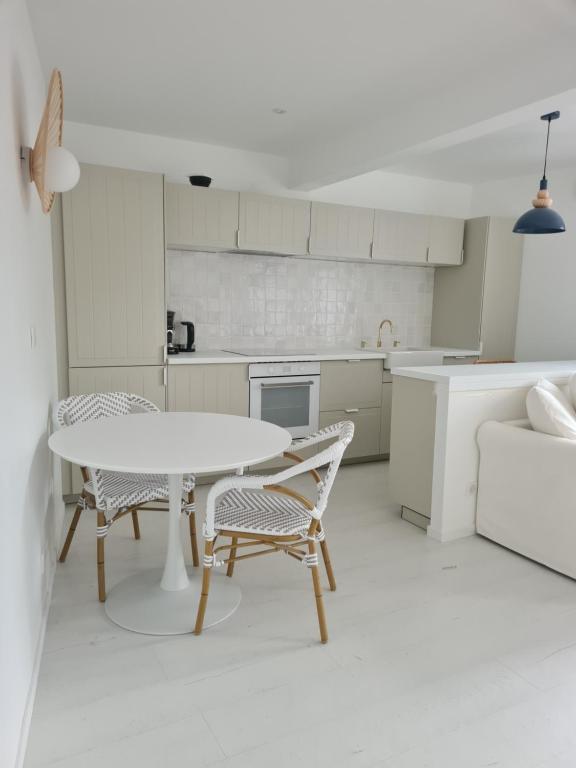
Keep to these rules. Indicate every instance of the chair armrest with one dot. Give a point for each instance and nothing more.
(256, 482)
(298, 459)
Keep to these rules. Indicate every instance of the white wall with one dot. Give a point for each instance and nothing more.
(547, 311)
(29, 487)
(241, 170)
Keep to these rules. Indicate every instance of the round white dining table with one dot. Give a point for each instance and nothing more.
(164, 601)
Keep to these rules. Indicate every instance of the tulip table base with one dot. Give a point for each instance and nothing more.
(140, 604)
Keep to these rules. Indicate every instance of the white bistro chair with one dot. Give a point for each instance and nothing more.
(115, 494)
(257, 511)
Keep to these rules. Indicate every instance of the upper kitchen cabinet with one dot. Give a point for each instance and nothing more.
(476, 305)
(400, 237)
(445, 241)
(197, 217)
(113, 223)
(341, 231)
(274, 224)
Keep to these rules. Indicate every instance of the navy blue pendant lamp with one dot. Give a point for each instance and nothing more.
(541, 219)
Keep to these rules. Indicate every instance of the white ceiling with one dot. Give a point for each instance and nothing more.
(361, 79)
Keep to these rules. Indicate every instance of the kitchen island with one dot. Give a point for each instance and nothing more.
(436, 413)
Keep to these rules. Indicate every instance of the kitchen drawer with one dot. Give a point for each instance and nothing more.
(350, 384)
(366, 421)
(460, 360)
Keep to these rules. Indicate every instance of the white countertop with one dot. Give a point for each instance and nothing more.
(218, 356)
(490, 376)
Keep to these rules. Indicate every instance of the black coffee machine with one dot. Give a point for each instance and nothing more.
(172, 347)
(189, 346)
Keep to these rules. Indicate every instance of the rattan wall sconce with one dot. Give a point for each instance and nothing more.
(48, 164)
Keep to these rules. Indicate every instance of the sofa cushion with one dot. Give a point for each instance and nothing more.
(550, 411)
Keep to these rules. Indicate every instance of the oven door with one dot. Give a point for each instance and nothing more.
(292, 402)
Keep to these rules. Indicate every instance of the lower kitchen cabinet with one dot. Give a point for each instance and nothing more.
(144, 380)
(212, 388)
(366, 421)
(350, 384)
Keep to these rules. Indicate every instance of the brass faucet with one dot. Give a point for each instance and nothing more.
(382, 324)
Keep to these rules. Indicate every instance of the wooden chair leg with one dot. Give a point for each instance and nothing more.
(136, 524)
(70, 534)
(208, 551)
(193, 540)
(231, 564)
(100, 558)
(318, 595)
(328, 565)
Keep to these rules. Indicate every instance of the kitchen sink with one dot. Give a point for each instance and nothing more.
(406, 357)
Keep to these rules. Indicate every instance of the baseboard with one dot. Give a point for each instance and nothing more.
(416, 518)
(31, 697)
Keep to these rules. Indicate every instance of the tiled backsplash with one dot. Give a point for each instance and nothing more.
(245, 301)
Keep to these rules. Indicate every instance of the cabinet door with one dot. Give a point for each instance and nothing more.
(400, 237)
(114, 256)
(216, 388)
(145, 380)
(366, 441)
(197, 217)
(446, 240)
(350, 384)
(386, 417)
(275, 224)
(340, 230)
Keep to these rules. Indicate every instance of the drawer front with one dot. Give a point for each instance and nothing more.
(366, 440)
(350, 384)
(460, 360)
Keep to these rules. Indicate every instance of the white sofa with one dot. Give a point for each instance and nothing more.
(527, 493)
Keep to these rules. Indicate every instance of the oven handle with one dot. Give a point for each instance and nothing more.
(288, 384)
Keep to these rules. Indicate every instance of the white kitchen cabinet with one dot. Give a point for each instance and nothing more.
(400, 237)
(366, 440)
(274, 224)
(351, 390)
(341, 231)
(445, 241)
(197, 217)
(475, 305)
(211, 388)
(114, 259)
(350, 384)
(144, 380)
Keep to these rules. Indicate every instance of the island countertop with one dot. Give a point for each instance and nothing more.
(490, 375)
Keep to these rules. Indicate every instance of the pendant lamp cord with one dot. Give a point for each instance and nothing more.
(546, 152)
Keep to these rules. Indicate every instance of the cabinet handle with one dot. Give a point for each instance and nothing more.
(165, 376)
(427, 253)
(372, 249)
(237, 238)
(354, 360)
(308, 245)
(351, 410)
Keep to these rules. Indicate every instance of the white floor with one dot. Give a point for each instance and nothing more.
(458, 655)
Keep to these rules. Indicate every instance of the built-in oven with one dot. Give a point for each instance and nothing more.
(286, 394)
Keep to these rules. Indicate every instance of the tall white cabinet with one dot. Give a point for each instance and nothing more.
(114, 259)
(476, 304)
